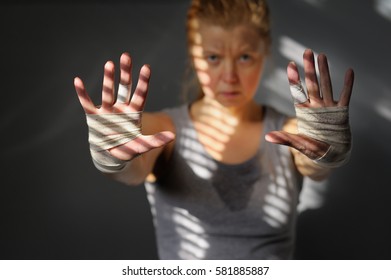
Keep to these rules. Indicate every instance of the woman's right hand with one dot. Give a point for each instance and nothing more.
(127, 104)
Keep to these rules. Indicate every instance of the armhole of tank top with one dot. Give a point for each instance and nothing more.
(176, 114)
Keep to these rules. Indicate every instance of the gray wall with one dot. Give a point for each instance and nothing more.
(55, 205)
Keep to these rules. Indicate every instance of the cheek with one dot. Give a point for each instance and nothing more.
(204, 73)
(208, 81)
(251, 79)
(203, 78)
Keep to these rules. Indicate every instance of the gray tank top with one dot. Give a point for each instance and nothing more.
(205, 209)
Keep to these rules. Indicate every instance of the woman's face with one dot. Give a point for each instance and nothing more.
(228, 62)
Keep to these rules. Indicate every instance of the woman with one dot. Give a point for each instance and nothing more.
(217, 190)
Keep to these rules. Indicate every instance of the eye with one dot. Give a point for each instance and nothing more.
(245, 58)
(212, 58)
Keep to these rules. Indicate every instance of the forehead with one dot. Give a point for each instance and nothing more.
(236, 37)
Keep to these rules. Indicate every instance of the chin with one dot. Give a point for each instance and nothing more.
(231, 103)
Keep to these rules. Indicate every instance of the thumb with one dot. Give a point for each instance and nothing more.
(157, 140)
(142, 144)
(310, 147)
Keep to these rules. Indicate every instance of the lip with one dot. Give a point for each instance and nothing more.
(229, 94)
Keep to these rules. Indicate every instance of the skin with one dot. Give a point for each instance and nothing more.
(229, 64)
(320, 94)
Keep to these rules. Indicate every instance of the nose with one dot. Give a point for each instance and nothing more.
(229, 72)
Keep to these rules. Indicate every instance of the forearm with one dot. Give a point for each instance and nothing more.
(309, 168)
(135, 171)
(132, 174)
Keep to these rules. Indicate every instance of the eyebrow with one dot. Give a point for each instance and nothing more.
(244, 49)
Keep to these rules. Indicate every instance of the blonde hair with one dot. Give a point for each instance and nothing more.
(230, 13)
(226, 14)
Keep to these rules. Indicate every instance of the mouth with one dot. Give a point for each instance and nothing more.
(230, 94)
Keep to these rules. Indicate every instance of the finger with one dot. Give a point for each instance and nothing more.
(347, 89)
(142, 144)
(311, 80)
(310, 147)
(84, 98)
(108, 85)
(125, 85)
(139, 97)
(157, 140)
(325, 81)
(297, 91)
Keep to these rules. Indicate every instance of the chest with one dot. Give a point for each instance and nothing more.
(231, 145)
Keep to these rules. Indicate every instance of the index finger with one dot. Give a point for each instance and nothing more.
(140, 94)
(84, 98)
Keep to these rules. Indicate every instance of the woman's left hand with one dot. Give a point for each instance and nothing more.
(320, 100)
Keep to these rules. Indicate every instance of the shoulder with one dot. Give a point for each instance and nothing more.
(154, 122)
(290, 125)
(279, 119)
(164, 120)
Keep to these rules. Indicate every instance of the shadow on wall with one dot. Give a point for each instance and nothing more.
(354, 221)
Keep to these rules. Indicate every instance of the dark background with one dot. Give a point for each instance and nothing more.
(56, 205)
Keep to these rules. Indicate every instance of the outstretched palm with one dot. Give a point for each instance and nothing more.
(127, 104)
(319, 96)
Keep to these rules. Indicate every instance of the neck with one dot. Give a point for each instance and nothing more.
(247, 113)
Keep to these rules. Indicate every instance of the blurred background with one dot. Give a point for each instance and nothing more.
(55, 205)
